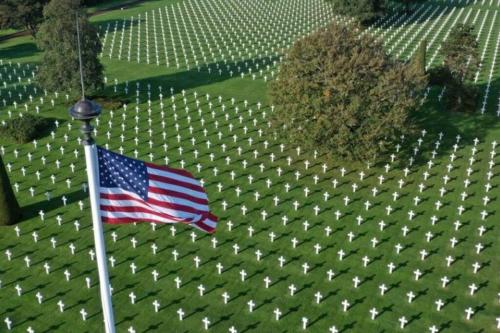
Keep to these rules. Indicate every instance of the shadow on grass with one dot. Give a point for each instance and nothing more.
(21, 50)
(435, 119)
(32, 210)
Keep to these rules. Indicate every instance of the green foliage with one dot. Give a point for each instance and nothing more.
(24, 129)
(10, 212)
(461, 97)
(461, 58)
(461, 52)
(340, 93)
(366, 11)
(17, 14)
(109, 102)
(59, 70)
(439, 76)
(408, 3)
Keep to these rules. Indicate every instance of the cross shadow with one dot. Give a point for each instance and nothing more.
(198, 309)
(173, 302)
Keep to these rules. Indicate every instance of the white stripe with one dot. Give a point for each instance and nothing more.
(210, 223)
(161, 197)
(141, 216)
(172, 175)
(178, 201)
(176, 188)
(130, 203)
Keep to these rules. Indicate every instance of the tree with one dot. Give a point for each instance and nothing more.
(366, 11)
(17, 14)
(420, 59)
(461, 52)
(461, 59)
(407, 4)
(10, 212)
(339, 92)
(57, 37)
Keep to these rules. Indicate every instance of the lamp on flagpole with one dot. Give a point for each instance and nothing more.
(86, 110)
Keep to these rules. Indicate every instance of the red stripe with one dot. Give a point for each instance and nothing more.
(168, 180)
(213, 217)
(204, 227)
(123, 220)
(136, 209)
(164, 204)
(180, 172)
(176, 194)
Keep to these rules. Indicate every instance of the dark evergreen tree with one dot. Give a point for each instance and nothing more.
(339, 92)
(57, 37)
(366, 11)
(461, 52)
(461, 59)
(420, 58)
(10, 212)
(408, 3)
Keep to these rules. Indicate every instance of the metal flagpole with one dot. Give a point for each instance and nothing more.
(86, 110)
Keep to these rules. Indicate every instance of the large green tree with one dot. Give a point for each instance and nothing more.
(57, 37)
(10, 212)
(409, 3)
(339, 92)
(366, 11)
(461, 59)
(460, 52)
(21, 14)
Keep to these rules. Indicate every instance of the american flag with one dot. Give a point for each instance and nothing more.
(135, 191)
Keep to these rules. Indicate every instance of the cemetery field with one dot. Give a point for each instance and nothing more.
(409, 244)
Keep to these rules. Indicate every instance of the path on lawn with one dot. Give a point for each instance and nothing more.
(123, 5)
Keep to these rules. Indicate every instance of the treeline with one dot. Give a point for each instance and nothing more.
(28, 14)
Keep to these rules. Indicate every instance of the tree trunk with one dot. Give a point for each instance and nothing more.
(10, 212)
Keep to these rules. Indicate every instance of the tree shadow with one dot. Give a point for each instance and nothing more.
(21, 50)
(435, 119)
(30, 211)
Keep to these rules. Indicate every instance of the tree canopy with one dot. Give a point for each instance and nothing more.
(366, 11)
(461, 52)
(57, 37)
(339, 92)
(461, 60)
(17, 14)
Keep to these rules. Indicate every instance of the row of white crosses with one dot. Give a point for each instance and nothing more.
(266, 280)
(486, 43)
(490, 77)
(221, 114)
(227, 34)
(16, 84)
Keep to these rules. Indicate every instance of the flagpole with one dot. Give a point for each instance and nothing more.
(100, 247)
(86, 110)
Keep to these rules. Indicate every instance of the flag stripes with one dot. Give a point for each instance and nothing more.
(137, 191)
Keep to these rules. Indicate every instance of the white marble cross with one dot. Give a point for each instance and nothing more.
(132, 297)
(84, 314)
(180, 312)
(277, 313)
(206, 323)
(156, 305)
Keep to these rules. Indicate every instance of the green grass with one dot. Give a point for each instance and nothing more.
(24, 311)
